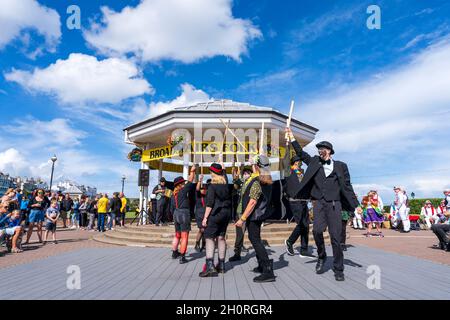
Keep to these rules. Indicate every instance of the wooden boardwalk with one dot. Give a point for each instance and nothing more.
(150, 273)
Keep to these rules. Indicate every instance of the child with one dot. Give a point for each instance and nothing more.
(75, 215)
(51, 215)
(357, 219)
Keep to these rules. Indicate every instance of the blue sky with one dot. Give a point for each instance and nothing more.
(381, 96)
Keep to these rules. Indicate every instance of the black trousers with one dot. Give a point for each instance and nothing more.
(254, 235)
(239, 242)
(344, 231)
(160, 209)
(301, 217)
(83, 219)
(328, 214)
(440, 230)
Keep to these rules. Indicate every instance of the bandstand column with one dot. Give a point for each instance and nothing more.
(160, 170)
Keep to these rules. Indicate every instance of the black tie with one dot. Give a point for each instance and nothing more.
(325, 162)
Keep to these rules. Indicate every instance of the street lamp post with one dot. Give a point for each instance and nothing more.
(123, 182)
(53, 159)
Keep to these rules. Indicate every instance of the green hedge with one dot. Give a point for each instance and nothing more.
(416, 205)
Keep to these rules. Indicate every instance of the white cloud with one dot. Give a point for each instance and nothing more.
(13, 162)
(56, 132)
(189, 96)
(182, 30)
(19, 15)
(393, 111)
(84, 79)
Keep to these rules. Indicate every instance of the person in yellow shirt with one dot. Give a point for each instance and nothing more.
(123, 209)
(102, 209)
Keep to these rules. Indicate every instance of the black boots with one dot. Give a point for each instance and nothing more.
(175, 254)
(221, 266)
(320, 266)
(183, 259)
(267, 274)
(210, 270)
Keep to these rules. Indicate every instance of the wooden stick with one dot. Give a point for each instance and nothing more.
(237, 139)
(288, 122)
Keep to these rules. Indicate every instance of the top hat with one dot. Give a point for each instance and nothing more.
(216, 168)
(261, 161)
(326, 145)
(178, 180)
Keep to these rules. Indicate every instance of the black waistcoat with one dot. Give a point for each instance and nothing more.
(263, 209)
(326, 187)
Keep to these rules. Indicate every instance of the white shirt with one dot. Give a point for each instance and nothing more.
(400, 200)
(328, 168)
(428, 212)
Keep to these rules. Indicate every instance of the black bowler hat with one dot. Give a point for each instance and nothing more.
(216, 168)
(178, 180)
(326, 145)
(295, 159)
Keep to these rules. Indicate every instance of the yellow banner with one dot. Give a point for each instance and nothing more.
(212, 148)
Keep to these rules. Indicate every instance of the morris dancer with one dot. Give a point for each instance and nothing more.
(181, 215)
(401, 208)
(328, 182)
(372, 215)
(216, 219)
(256, 208)
(299, 210)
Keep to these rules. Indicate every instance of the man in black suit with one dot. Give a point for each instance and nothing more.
(327, 182)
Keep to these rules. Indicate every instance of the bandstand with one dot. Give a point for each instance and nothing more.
(195, 135)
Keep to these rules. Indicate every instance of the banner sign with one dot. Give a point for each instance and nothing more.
(211, 148)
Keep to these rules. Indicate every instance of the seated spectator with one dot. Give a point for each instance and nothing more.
(441, 230)
(429, 214)
(357, 219)
(10, 222)
(441, 212)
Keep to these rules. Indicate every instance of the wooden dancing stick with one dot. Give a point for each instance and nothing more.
(237, 139)
(201, 167)
(288, 122)
(261, 139)
(223, 142)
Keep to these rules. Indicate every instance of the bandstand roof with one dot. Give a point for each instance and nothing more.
(153, 132)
